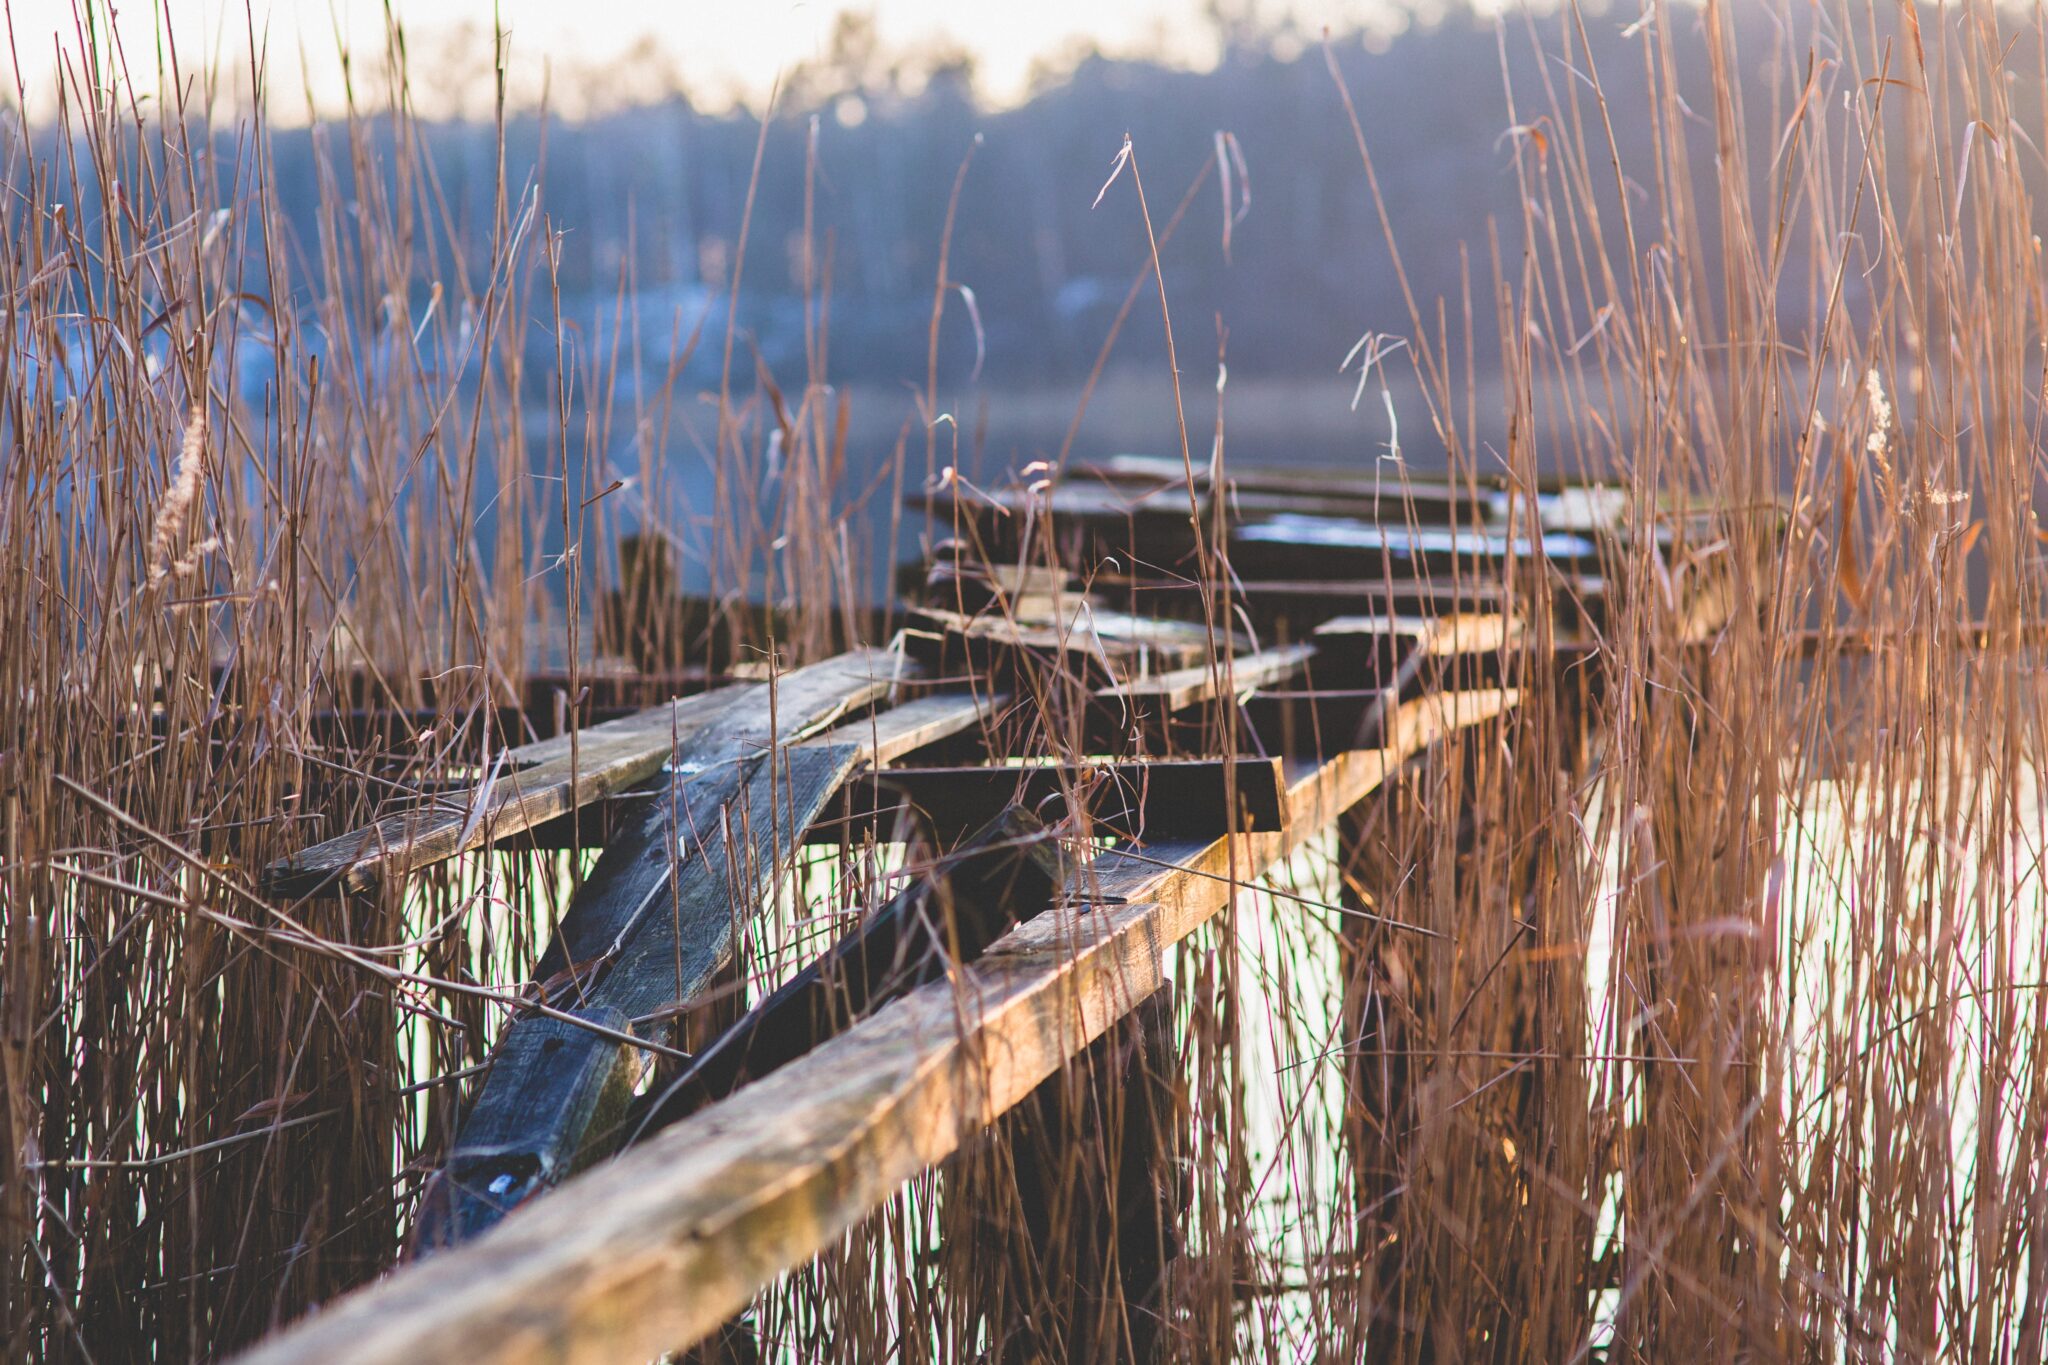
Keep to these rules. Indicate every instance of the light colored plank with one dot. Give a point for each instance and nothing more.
(1185, 687)
(1445, 636)
(884, 738)
(652, 1251)
(538, 782)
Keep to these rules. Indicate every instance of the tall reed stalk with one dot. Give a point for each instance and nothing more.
(1730, 1042)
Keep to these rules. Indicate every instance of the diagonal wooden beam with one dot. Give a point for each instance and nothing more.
(536, 783)
(651, 1252)
(527, 786)
(652, 926)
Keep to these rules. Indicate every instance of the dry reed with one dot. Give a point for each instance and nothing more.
(1731, 1044)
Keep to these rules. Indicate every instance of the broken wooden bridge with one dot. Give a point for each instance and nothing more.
(1103, 709)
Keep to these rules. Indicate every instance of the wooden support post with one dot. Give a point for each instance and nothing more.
(1064, 1227)
(1378, 846)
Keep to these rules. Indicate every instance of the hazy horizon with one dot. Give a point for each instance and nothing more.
(721, 59)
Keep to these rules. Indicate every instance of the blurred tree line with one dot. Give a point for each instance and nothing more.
(651, 194)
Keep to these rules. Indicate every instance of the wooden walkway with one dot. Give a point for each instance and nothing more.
(1057, 669)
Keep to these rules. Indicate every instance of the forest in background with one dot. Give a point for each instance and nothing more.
(649, 199)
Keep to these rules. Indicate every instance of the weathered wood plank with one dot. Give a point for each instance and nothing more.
(1104, 646)
(877, 739)
(904, 729)
(656, 1249)
(1400, 657)
(1339, 545)
(539, 782)
(1307, 602)
(654, 924)
(531, 784)
(1367, 650)
(1185, 687)
(1139, 489)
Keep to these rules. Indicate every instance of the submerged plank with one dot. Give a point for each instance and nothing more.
(653, 925)
(654, 1250)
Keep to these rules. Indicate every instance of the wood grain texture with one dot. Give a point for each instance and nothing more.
(652, 1251)
(1185, 687)
(539, 782)
(529, 785)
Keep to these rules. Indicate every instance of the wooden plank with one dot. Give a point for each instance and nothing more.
(1343, 545)
(878, 739)
(1304, 482)
(654, 1250)
(1103, 646)
(1185, 687)
(955, 581)
(1367, 651)
(1012, 869)
(1431, 659)
(1148, 799)
(539, 782)
(654, 924)
(530, 784)
(1363, 664)
(906, 728)
(1312, 600)
(1127, 487)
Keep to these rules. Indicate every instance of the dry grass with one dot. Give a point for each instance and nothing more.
(1732, 1042)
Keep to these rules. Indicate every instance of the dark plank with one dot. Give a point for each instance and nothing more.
(654, 925)
(1081, 1221)
(1155, 799)
(1011, 870)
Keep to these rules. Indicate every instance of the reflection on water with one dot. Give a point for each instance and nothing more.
(1855, 1001)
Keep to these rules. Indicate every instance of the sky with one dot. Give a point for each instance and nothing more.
(722, 50)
